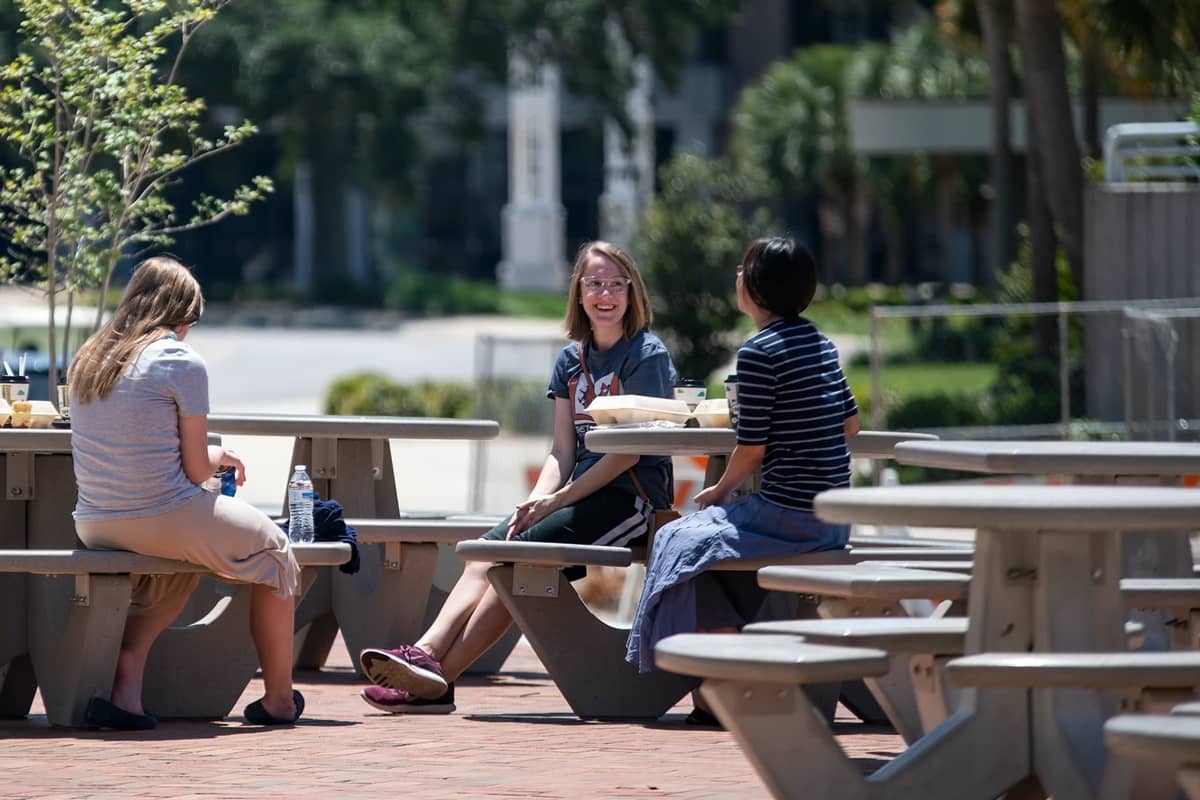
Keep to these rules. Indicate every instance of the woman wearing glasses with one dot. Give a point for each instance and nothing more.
(580, 497)
(139, 436)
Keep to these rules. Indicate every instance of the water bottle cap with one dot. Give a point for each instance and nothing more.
(301, 467)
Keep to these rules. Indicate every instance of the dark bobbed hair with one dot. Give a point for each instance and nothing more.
(638, 314)
(780, 275)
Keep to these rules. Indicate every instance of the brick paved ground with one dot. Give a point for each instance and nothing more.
(512, 737)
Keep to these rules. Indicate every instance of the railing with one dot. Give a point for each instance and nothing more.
(1062, 311)
(1140, 151)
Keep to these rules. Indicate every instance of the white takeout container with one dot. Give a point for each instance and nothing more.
(5, 411)
(712, 413)
(623, 409)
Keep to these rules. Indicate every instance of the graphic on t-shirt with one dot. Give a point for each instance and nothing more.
(582, 394)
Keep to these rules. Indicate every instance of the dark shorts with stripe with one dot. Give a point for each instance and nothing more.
(608, 516)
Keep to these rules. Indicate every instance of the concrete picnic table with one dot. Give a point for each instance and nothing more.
(349, 459)
(1046, 580)
(1144, 555)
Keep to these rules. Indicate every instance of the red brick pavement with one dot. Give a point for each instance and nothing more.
(513, 736)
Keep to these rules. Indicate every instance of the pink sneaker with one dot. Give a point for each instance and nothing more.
(398, 701)
(407, 667)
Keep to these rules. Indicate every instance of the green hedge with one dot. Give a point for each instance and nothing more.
(519, 406)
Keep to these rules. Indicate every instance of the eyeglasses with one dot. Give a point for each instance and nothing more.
(597, 286)
(193, 321)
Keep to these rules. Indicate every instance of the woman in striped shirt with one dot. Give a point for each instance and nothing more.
(795, 411)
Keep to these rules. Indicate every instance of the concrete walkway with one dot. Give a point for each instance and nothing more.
(513, 736)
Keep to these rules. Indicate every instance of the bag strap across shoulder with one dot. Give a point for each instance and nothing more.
(637, 485)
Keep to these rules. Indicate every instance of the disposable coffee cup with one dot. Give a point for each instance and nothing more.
(14, 388)
(691, 392)
(64, 400)
(731, 392)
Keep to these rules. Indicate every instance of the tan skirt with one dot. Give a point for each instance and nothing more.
(231, 538)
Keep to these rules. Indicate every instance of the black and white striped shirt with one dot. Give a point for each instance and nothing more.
(793, 398)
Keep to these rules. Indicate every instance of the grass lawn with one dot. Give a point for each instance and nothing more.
(904, 380)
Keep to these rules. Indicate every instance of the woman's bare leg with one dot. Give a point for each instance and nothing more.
(272, 624)
(487, 623)
(139, 636)
(458, 609)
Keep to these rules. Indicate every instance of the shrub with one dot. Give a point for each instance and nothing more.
(937, 410)
(519, 406)
(372, 394)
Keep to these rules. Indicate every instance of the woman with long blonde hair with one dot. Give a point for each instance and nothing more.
(139, 419)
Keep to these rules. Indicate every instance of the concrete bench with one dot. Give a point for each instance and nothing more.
(76, 618)
(1152, 756)
(1173, 670)
(755, 684)
(914, 692)
(584, 655)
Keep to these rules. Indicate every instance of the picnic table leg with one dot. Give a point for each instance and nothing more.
(1083, 596)
(786, 739)
(384, 604)
(1189, 779)
(985, 735)
(199, 667)
(584, 656)
(17, 683)
(68, 619)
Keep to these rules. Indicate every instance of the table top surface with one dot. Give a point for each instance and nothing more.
(674, 441)
(347, 427)
(1059, 508)
(1077, 458)
(16, 440)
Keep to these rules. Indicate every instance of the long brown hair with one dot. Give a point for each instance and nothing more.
(162, 295)
(638, 314)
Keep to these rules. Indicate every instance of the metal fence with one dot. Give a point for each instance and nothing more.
(1160, 378)
(1157, 379)
(511, 374)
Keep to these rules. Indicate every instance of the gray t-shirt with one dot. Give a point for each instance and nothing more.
(126, 445)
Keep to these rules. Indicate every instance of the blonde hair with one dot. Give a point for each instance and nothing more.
(638, 314)
(162, 295)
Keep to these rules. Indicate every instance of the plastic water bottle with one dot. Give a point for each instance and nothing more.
(300, 506)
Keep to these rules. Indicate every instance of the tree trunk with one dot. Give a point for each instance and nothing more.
(1051, 128)
(1043, 257)
(1090, 88)
(995, 16)
(328, 154)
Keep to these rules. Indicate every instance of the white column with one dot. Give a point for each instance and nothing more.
(534, 220)
(629, 161)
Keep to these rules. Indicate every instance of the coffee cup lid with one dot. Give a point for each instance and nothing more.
(691, 383)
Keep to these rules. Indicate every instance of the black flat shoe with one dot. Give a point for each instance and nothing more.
(704, 719)
(102, 713)
(257, 713)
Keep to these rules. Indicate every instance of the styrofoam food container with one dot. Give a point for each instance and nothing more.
(623, 409)
(712, 413)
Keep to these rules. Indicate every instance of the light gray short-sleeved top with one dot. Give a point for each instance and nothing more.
(126, 445)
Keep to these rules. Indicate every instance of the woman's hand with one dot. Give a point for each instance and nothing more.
(231, 459)
(531, 512)
(712, 496)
